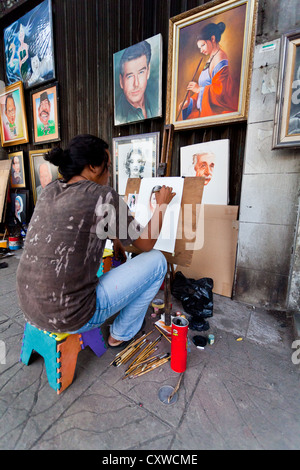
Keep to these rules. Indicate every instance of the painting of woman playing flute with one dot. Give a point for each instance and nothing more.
(215, 92)
(211, 62)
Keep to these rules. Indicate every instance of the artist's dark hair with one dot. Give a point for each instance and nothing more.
(211, 29)
(134, 52)
(84, 149)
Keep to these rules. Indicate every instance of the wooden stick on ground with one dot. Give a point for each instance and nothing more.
(176, 388)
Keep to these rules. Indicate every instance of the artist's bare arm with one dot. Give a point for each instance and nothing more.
(152, 230)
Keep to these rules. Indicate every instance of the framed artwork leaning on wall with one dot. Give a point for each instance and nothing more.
(17, 174)
(13, 128)
(138, 81)
(210, 64)
(19, 205)
(42, 172)
(28, 46)
(45, 114)
(287, 112)
(134, 156)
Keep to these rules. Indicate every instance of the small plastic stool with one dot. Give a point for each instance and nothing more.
(60, 351)
(106, 262)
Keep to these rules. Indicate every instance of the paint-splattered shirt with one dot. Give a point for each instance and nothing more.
(57, 273)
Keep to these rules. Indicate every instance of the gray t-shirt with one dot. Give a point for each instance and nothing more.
(57, 273)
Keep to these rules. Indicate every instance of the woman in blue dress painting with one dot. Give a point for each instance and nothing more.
(214, 92)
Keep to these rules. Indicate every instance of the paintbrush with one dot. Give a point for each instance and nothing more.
(162, 333)
(132, 344)
(152, 367)
(144, 363)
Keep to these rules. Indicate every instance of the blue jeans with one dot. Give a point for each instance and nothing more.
(128, 289)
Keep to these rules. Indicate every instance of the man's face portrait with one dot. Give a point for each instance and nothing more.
(45, 175)
(204, 164)
(10, 110)
(44, 111)
(134, 80)
(211, 161)
(138, 81)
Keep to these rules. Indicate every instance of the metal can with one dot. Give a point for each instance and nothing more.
(211, 339)
(158, 306)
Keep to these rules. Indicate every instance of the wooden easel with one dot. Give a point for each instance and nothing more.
(187, 223)
(164, 168)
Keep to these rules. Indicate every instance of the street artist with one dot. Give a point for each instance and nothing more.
(57, 281)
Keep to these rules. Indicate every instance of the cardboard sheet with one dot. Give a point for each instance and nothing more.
(186, 237)
(218, 256)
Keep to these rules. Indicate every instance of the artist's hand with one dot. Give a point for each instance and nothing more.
(119, 251)
(164, 195)
(194, 87)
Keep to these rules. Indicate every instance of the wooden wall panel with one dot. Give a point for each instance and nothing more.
(86, 35)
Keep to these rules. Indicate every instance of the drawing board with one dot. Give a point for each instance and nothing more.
(189, 218)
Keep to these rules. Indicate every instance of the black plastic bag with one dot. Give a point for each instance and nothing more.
(196, 295)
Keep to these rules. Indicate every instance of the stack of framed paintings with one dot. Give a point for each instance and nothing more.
(30, 65)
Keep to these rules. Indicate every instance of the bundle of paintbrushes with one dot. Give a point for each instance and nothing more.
(136, 369)
(127, 353)
(144, 363)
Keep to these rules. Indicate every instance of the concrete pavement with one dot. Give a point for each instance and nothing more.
(240, 393)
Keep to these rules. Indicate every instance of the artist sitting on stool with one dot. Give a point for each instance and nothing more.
(57, 282)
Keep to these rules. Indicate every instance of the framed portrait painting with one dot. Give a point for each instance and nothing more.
(28, 45)
(13, 116)
(45, 115)
(138, 81)
(17, 175)
(210, 64)
(42, 172)
(19, 205)
(134, 156)
(287, 112)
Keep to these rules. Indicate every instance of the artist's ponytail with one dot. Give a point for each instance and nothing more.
(83, 150)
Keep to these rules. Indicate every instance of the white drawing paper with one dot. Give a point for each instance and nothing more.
(211, 160)
(146, 206)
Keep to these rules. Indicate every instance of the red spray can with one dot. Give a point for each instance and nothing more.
(180, 327)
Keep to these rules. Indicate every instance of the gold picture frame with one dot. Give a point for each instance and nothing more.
(17, 174)
(287, 118)
(45, 114)
(209, 79)
(13, 128)
(41, 175)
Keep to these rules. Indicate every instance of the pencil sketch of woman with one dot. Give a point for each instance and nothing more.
(135, 163)
(214, 93)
